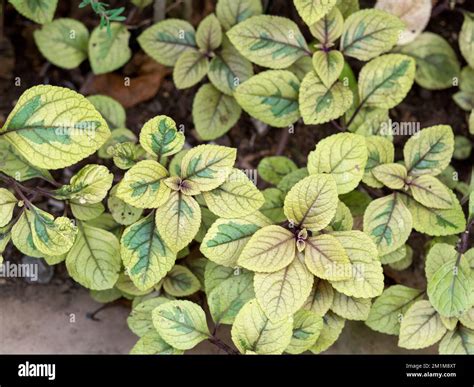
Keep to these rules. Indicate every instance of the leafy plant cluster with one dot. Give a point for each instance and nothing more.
(286, 266)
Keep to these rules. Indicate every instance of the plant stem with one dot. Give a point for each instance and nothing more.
(223, 346)
(337, 126)
(285, 136)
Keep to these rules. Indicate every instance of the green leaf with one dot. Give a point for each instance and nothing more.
(430, 192)
(395, 256)
(344, 156)
(208, 166)
(328, 66)
(301, 67)
(405, 262)
(282, 293)
(451, 286)
(438, 255)
(145, 255)
(436, 222)
(462, 148)
(215, 274)
(388, 309)
(466, 41)
(312, 11)
(326, 258)
(128, 289)
(22, 238)
(108, 52)
(142, 186)
(86, 211)
(63, 42)
(105, 296)
(269, 41)
(209, 33)
(367, 278)
(371, 122)
(39, 11)
(465, 100)
(351, 308)
(190, 68)
(153, 344)
(289, 181)
(236, 198)
(312, 202)
(182, 324)
(228, 69)
(430, 152)
(88, 186)
(214, 113)
(329, 28)
(140, 319)
(274, 168)
(467, 319)
(348, 7)
(122, 212)
(388, 222)
(253, 332)
(181, 282)
(332, 328)
(380, 151)
(437, 63)
(232, 12)
(321, 297)
(226, 238)
(421, 326)
(320, 104)
(384, 82)
(273, 206)
(126, 154)
(167, 40)
(45, 129)
(369, 33)
(229, 296)
(51, 236)
(18, 167)
(343, 220)
(159, 137)
(270, 249)
(307, 326)
(94, 259)
(271, 96)
(112, 111)
(178, 220)
(391, 175)
(8, 202)
(460, 341)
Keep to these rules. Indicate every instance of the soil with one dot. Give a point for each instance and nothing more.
(35, 318)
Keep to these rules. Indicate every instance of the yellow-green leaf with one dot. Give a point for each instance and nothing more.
(159, 137)
(178, 220)
(351, 308)
(460, 341)
(253, 332)
(282, 293)
(208, 166)
(143, 187)
(430, 192)
(326, 258)
(140, 319)
(329, 28)
(270, 249)
(421, 326)
(273, 169)
(430, 152)
(271, 97)
(54, 127)
(312, 202)
(22, 237)
(214, 113)
(328, 66)
(388, 309)
(63, 42)
(269, 41)
(344, 156)
(384, 82)
(209, 33)
(312, 11)
(152, 344)
(182, 324)
(388, 222)
(39, 11)
(94, 259)
(321, 297)
(109, 51)
(122, 212)
(307, 326)
(332, 328)
(8, 202)
(466, 41)
(232, 12)
(392, 175)
(380, 151)
(369, 33)
(181, 282)
(86, 211)
(145, 255)
(236, 198)
(320, 104)
(226, 238)
(112, 111)
(191, 67)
